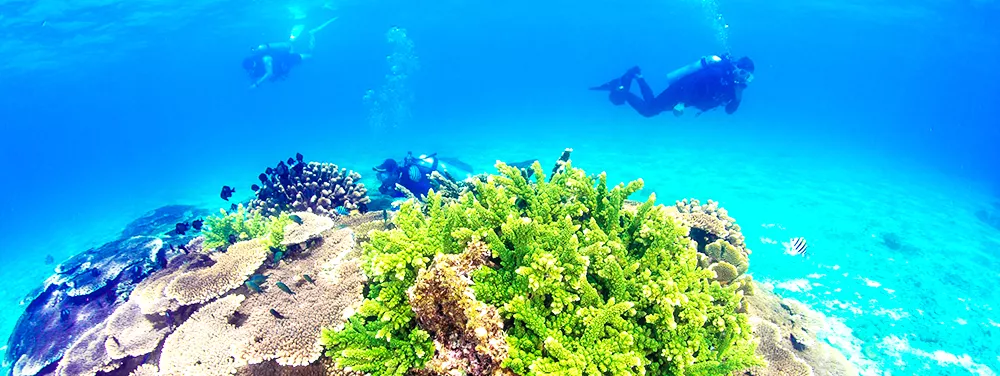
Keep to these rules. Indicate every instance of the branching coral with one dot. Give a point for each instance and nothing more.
(588, 287)
(244, 225)
(317, 188)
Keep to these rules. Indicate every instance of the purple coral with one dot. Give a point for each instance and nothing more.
(319, 188)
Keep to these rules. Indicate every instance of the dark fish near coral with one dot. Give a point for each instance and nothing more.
(196, 224)
(290, 161)
(796, 247)
(299, 167)
(181, 228)
(341, 210)
(252, 286)
(161, 256)
(385, 216)
(276, 314)
(308, 278)
(268, 171)
(232, 239)
(254, 187)
(49, 260)
(278, 255)
(263, 177)
(284, 288)
(282, 169)
(295, 218)
(227, 192)
(258, 278)
(182, 247)
(234, 208)
(298, 157)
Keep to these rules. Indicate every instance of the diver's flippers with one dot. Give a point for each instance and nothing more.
(615, 84)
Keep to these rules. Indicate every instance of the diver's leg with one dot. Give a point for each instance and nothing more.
(647, 93)
(643, 107)
(323, 25)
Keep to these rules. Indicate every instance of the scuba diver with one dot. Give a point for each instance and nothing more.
(708, 83)
(413, 173)
(273, 61)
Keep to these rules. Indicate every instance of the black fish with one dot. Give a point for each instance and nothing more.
(254, 187)
(269, 171)
(276, 314)
(298, 168)
(796, 247)
(49, 259)
(227, 192)
(291, 161)
(385, 216)
(181, 228)
(182, 247)
(284, 288)
(234, 208)
(161, 256)
(282, 169)
(298, 157)
(262, 177)
(308, 278)
(196, 224)
(278, 255)
(232, 238)
(295, 218)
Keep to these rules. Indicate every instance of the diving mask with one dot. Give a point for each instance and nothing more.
(743, 76)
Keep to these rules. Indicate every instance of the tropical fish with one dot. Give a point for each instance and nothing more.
(796, 247)
(196, 224)
(258, 278)
(252, 285)
(276, 314)
(232, 239)
(278, 255)
(295, 218)
(298, 168)
(308, 278)
(227, 192)
(263, 177)
(298, 157)
(291, 161)
(181, 228)
(341, 210)
(284, 288)
(385, 216)
(234, 208)
(254, 187)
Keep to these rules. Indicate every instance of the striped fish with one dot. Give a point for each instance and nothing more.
(796, 247)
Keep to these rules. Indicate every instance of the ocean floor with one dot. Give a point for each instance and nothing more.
(897, 260)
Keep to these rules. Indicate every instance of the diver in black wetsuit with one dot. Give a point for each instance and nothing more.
(273, 61)
(413, 173)
(705, 84)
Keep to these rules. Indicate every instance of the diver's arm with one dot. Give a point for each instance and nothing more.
(268, 71)
(734, 104)
(692, 68)
(280, 46)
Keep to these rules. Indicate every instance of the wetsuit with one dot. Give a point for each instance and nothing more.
(282, 62)
(391, 173)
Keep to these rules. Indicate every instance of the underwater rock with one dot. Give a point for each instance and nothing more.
(86, 289)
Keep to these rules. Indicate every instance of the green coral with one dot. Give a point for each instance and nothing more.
(587, 287)
(245, 225)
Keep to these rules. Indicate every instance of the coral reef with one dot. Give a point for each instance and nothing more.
(200, 346)
(87, 288)
(241, 224)
(318, 188)
(311, 227)
(787, 336)
(720, 243)
(469, 337)
(586, 286)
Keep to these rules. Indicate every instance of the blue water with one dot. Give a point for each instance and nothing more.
(865, 119)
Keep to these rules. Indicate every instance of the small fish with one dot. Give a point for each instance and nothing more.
(298, 168)
(308, 278)
(232, 239)
(258, 278)
(278, 255)
(284, 288)
(298, 157)
(291, 161)
(49, 259)
(234, 208)
(227, 192)
(276, 314)
(295, 218)
(196, 224)
(181, 228)
(269, 171)
(182, 247)
(252, 286)
(796, 247)
(385, 216)
(341, 210)
(263, 177)
(254, 187)
(282, 169)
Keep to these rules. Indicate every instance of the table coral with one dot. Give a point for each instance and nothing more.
(589, 288)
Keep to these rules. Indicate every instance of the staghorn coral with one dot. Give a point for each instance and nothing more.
(311, 227)
(318, 188)
(588, 287)
(230, 270)
(469, 335)
(131, 333)
(244, 225)
(295, 338)
(199, 346)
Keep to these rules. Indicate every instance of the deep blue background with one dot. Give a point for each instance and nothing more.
(157, 121)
